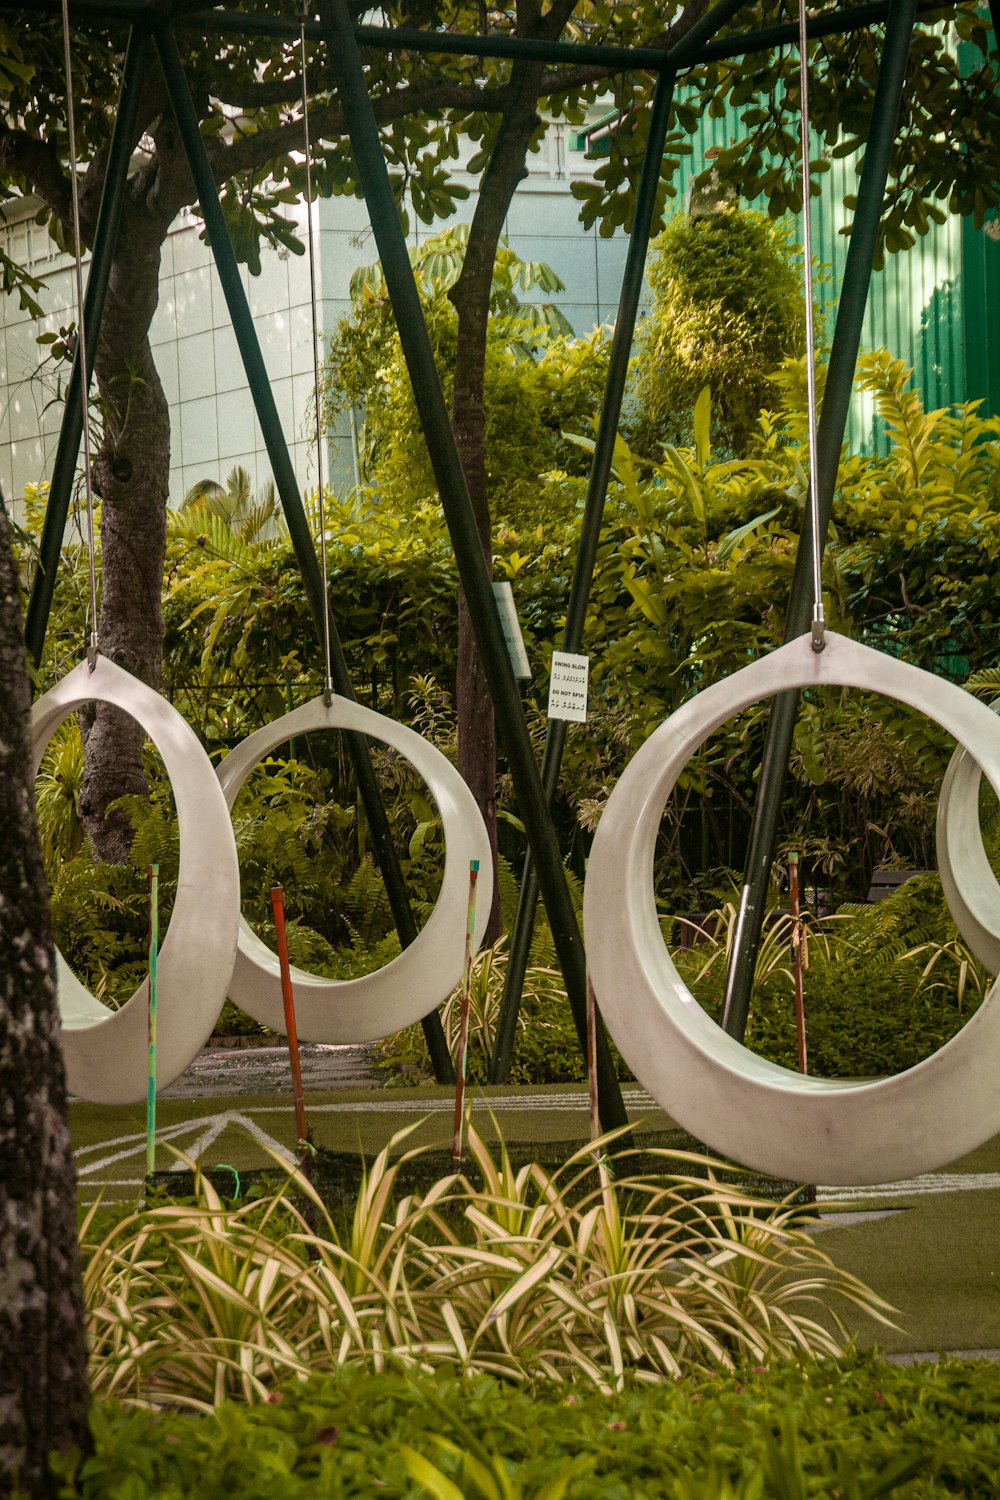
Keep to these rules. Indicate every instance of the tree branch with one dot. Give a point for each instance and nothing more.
(38, 165)
(252, 152)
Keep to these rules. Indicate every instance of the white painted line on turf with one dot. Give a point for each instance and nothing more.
(136, 1150)
(263, 1139)
(166, 1133)
(198, 1148)
(930, 1182)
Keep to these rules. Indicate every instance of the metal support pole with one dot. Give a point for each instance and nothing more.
(345, 63)
(101, 260)
(597, 489)
(830, 437)
(291, 500)
(231, 23)
(586, 557)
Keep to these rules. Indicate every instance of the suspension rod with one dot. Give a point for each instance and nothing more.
(830, 437)
(593, 512)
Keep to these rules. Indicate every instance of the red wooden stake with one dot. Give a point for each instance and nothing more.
(278, 906)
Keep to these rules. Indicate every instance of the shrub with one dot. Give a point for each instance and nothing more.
(727, 308)
(534, 1276)
(852, 1428)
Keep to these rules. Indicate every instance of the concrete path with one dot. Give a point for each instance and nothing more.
(223, 1072)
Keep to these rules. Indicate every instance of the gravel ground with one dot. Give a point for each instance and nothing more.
(219, 1072)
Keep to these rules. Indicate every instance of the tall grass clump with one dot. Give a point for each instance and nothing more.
(533, 1277)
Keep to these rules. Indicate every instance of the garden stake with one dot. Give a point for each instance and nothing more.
(463, 1031)
(153, 872)
(797, 961)
(595, 1112)
(278, 907)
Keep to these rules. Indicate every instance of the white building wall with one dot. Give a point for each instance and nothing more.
(213, 422)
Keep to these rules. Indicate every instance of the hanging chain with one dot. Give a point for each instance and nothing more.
(818, 620)
(81, 339)
(328, 682)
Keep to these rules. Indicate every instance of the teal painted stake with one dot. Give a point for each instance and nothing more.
(154, 881)
(466, 1002)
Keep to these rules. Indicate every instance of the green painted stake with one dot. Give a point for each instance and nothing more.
(595, 1104)
(466, 1003)
(154, 882)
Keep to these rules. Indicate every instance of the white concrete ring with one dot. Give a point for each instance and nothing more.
(106, 1051)
(970, 886)
(425, 973)
(807, 1129)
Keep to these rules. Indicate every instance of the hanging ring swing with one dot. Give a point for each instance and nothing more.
(807, 1129)
(106, 1051)
(413, 984)
(970, 886)
(768, 1117)
(425, 973)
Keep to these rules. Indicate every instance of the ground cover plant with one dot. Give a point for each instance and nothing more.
(849, 1429)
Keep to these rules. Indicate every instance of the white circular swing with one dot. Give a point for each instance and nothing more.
(424, 974)
(414, 983)
(760, 1114)
(105, 1050)
(970, 886)
(766, 1116)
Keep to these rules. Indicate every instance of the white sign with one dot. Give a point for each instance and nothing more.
(504, 595)
(568, 687)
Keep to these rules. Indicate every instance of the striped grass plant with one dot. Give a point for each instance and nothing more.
(532, 1276)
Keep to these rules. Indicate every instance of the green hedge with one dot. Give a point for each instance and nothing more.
(845, 1430)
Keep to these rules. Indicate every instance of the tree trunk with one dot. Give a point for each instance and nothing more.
(130, 469)
(43, 1349)
(471, 297)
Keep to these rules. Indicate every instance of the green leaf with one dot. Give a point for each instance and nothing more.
(424, 1472)
(733, 539)
(702, 427)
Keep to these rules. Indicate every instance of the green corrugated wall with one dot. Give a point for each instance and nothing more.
(937, 306)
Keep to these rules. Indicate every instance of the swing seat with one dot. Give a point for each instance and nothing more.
(411, 985)
(106, 1051)
(765, 1116)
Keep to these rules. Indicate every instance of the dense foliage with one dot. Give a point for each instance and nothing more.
(850, 1430)
(725, 310)
(539, 381)
(538, 1275)
(692, 570)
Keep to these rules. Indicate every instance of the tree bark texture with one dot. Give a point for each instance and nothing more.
(43, 1350)
(471, 297)
(130, 473)
(131, 470)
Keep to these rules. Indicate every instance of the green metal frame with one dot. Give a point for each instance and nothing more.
(544, 868)
(71, 429)
(291, 503)
(586, 557)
